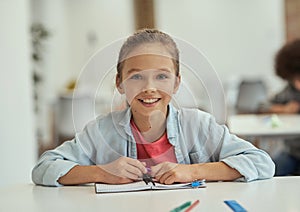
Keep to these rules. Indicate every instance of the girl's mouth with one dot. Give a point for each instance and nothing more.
(149, 101)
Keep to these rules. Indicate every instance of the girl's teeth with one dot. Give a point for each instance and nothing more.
(149, 100)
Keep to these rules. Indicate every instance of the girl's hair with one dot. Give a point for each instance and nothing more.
(146, 36)
(287, 61)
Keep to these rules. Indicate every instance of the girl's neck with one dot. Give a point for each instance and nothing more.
(151, 127)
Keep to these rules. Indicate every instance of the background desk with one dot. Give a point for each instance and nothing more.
(250, 125)
(277, 194)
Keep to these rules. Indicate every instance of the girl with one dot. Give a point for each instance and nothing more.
(175, 145)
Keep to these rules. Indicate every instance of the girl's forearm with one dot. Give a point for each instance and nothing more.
(91, 174)
(277, 108)
(215, 171)
(82, 175)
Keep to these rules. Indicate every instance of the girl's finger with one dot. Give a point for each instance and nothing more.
(134, 171)
(138, 164)
(164, 177)
(156, 170)
(130, 175)
(170, 180)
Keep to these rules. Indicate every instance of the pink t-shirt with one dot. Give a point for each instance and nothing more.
(153, 152)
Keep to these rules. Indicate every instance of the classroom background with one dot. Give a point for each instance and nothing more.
(46, 43)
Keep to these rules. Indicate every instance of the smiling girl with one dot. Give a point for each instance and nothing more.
(151, 135)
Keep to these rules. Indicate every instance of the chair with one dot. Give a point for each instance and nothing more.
(251, 94)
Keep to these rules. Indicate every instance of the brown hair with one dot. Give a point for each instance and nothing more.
(287, 61)
(145, 36)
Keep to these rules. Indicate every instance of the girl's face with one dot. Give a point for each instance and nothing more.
(148, 80)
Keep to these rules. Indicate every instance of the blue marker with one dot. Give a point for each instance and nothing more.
(235, 206)
(197, 183)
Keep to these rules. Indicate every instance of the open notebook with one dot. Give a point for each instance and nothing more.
(141, 185)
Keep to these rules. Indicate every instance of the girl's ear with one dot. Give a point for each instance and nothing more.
(177, 83)
(119, 84)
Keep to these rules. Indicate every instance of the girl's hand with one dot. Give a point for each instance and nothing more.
(169, 173)
(124, 170)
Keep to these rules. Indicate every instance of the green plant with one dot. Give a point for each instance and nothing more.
(39, 33)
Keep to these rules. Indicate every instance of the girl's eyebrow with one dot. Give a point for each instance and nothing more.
(132, 70)
(165, 69)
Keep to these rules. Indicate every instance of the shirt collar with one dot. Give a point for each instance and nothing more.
(172, 122)
(125, 121)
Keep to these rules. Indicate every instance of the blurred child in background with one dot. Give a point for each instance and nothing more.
(287, 66)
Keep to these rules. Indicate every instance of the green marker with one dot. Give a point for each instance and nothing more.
(181, 207)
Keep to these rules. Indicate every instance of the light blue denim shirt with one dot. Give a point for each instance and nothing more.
(195, 135)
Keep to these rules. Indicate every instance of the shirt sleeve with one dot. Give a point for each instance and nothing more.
(55, 163)
(251, 162)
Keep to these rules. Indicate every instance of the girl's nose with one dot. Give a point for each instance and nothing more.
(149, 90)
(149, 86)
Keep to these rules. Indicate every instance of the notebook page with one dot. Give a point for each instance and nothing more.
(135, 186)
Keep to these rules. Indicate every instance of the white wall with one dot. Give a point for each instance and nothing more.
(240, 38)
(78, 29)
(106, 21)
(71, 23)
(18, 150)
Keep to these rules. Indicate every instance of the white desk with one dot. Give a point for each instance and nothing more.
(277, 194)
(250, 125)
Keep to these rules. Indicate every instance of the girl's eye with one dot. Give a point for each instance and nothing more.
(162, 76)
(136, 77)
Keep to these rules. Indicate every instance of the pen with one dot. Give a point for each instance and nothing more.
(192, 206)
(148, 170)
(181, 207)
